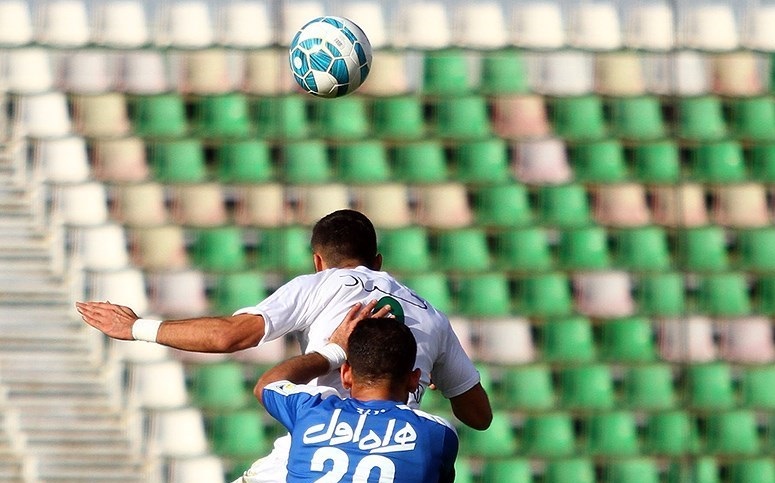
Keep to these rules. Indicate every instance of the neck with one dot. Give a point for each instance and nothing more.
(379, 393)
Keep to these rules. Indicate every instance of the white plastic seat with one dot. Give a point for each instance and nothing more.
(208, 468)
(157, 385)
(757, 32)
(710, 27)
(100, 247)
(80, 204)
(391, 74)
(198, 204)
(621, 204)
(505, 341)
(619, 74)
(520, 116)
(748, 340)
(541, 161)
(101, 115)
(120, 159)
(205, 71)
(140, 204)
(736, 74)
(538, 25)
(649, 26)
(144, 72)
(463, 329)
(386, 204)
(740, 205)
(62, 160)
(261, 205)
(64, 23)
(604, 294)
(89, 72)
(124, 287)
(178, 294)
(679, 205)
(246, 24)
(683, 73)
(186, 24)
(688, 339)
(295, 15)
(178, 432)
(595, 26)
(122, 24)
(136, 351)
(423, 25)
(443, 205)
(369, 16)
(313, 202)
(566, 73)
(160, 247)
(480, 25)
(266, 72)
(44, 115)
(268, 353)
(28, 70)
(15, 23)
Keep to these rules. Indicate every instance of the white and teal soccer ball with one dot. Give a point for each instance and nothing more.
(330, 56)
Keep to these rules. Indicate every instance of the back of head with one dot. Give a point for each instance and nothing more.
(381, 349)
(345, 236)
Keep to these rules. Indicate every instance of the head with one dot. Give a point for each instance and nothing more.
(381, 352)
(345, 238)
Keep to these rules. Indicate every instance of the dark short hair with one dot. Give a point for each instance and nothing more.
(345, 235)
(381, 349)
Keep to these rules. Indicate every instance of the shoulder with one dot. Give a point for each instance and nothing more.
(431, 419)
(287, 388)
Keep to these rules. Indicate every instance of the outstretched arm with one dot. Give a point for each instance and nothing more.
(202, 334)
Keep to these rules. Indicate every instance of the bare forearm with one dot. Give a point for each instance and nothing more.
(212, 334)
(473, 408)
(298, 370)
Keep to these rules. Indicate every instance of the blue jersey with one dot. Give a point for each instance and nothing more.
(346, 440)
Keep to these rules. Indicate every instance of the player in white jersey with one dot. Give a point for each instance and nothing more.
(347, 267)
(371, 434)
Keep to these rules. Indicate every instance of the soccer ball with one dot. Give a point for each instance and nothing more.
(330, 56)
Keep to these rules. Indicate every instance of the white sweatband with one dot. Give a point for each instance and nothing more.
(146, 329)
(334, 354)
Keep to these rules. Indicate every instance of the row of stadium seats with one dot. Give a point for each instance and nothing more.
(491, 24)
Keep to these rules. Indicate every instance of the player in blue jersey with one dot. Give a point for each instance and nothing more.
(372, 435)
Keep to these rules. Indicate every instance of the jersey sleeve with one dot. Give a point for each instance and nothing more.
(453, 372)
(285, 400)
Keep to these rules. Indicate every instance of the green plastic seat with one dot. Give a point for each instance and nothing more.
(504, 72)
(484, 295)
(671, 433)
(755, 247)
(599, 161)
(362, 162)
(563, 206)
(528, 388)
(642, 248)
(724, 294)
(628, 339)
(753, 118)
(285, 249)
(510, 470)
(159, 115)
(405, 250)
(223, 115)
(718, 162)
(433, 287)
(283, 117)
(178, 161)
(709, 386)
(420, 162)
(305, 162)
(702, 249)
(483, 161)
(584, 248)
(567, 470)
(219, 385)
(656, 162)
(761, 161)
(233, 291)
(239, 434)
(611, 434)
(244, 161)
(346, 118)
(219, 249)
(631, 470)
(398, 117)
(462, 117)
(757, 470)
(498, 440)
(661, 294)
(700, 118)
(649, 387)
(579, 118)
(568, 340)
(445, 72)
(637, 118)
(462, 250)
(544, 295)
(764, 291)
(758, 387)
(703, 469)
(464, 473)
(548, 435)
(732, 433)
(588, 387)
(523, 249)
(502, 205)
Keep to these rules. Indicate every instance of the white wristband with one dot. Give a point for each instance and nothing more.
(145, 329)
(334, 354)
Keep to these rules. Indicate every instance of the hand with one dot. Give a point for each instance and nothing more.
(113, 320)
(357, 313)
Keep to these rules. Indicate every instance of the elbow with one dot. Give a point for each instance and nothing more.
(235, 337)
(258, 391)
(481, 421)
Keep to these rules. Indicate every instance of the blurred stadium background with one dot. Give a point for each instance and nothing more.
(585, 187)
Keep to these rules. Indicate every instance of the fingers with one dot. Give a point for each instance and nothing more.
(383, 311)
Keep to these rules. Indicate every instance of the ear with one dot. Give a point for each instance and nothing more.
(317, 260)
(346, 375)
(378, 262)
(414, 379)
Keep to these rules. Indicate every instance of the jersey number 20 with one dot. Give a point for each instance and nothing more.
(341, 464)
